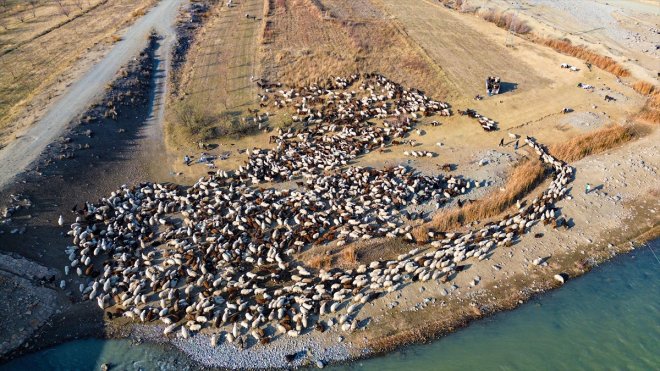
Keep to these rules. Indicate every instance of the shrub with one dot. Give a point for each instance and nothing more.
(605, 63)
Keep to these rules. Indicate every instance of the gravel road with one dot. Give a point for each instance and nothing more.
(18, 155)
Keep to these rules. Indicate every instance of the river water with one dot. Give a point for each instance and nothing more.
(607, 319)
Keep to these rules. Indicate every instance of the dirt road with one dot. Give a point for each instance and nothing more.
(19, 154)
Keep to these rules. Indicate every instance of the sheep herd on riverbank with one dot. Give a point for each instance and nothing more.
(222, 253)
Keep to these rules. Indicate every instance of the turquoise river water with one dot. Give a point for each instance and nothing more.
(607, 320)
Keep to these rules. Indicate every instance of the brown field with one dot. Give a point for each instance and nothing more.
(216, 86)
(462, 51)
(308, 41)
(40, 44)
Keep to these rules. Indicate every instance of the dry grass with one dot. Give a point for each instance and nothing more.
(650, 113)
(592, 143)
(524, 177)
(605, 63)
(322, 261)
(215, 83)
(36, 54)
(644, 88)
(196, 121)
(348, 257)
(139, 12)
(507, 21)
(307, 46)
(115, 38)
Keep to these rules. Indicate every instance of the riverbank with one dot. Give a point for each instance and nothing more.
(552, 331)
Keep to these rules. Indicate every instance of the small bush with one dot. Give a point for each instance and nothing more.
(320, 262)
(194, 122)
(348, 256)
(507, 21)
(643, 87)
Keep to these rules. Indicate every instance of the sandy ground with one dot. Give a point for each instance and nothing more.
(624, 29)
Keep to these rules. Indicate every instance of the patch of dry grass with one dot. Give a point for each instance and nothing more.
(644, 88)
(592, 143)
(507, 21)
(524, 177)
(605, 63)
(194, 121)
(306, 46)
(650, 113)
(322, 261)
(348, 256)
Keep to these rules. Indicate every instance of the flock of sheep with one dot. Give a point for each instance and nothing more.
(222, 253)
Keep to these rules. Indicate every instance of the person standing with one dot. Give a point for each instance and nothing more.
(502, 142)
(515, 147)
(587, 188)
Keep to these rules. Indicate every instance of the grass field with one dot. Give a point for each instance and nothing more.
(217, 78)
(465, 54)
(40, 44)
(307, 41)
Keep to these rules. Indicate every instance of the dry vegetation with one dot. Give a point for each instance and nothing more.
(524, 177)
(215, 85)
(644, 88)
(320, 262)
(605, 63)
(592, 143)
(348, 257)
(650, 113)
(307, 41)
(507, 21)
(41, 40)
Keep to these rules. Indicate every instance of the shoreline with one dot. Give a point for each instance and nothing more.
(402, 341)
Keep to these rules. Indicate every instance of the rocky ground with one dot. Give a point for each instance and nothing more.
(28, 292)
